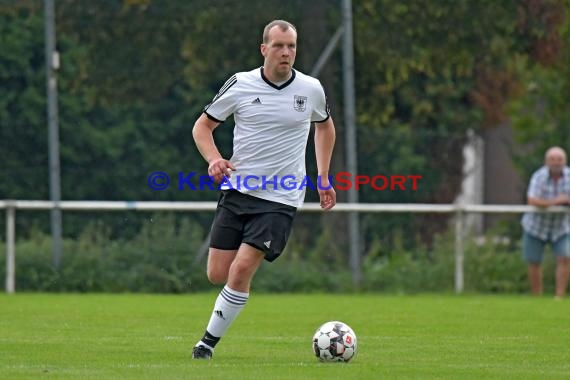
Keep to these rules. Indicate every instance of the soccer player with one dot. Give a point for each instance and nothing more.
(273, 108)
(549, 186)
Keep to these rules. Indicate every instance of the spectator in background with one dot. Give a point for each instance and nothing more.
(549, 186)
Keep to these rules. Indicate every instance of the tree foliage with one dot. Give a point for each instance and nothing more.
(22, 104)
(427, 73)
(540, 115)
(135, 74)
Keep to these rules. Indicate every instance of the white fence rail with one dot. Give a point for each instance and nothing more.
(460, 210)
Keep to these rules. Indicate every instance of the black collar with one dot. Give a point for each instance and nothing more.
(273, 84)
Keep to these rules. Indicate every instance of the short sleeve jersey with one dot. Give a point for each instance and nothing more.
(272, 124)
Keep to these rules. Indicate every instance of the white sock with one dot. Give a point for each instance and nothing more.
(227, 307)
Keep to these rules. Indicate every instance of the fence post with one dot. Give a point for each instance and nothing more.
(10, 248)
(459, 221)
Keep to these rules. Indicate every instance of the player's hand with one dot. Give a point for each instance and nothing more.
(562, 200)
(327, 194)
(220, 168)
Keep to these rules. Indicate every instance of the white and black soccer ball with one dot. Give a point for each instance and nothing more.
(334, 342)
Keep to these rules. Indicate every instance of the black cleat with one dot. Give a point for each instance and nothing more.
(201, 352)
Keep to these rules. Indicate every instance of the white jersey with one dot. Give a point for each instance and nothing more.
(271, 130)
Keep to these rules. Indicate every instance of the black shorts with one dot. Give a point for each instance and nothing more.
(242, 218)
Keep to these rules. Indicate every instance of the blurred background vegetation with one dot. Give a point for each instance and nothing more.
(135, 75)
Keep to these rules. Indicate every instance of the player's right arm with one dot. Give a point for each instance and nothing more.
(203, 133)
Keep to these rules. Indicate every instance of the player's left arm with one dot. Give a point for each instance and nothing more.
(324, 143)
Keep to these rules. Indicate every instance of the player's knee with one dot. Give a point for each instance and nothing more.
(217, 277)
(241, 269)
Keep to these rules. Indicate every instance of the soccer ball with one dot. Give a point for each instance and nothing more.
(334, 342)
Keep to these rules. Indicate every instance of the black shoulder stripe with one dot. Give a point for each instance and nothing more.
(229, 83)
(327, 111)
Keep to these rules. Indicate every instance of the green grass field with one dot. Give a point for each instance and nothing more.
(150, 337)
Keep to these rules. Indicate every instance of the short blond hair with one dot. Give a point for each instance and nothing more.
(282, 24)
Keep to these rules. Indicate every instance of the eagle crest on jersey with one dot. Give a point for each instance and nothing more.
(300, 103)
